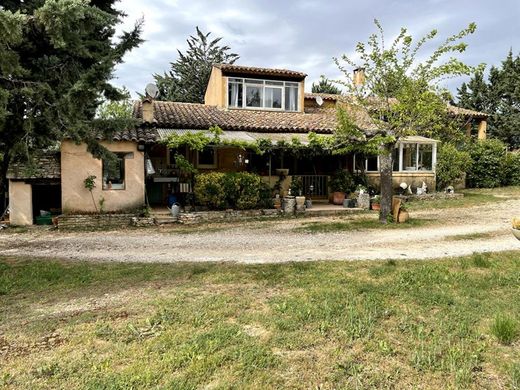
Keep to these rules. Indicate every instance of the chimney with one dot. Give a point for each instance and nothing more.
(148, 110)
(359, 77)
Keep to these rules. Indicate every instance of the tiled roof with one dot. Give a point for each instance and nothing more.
(45, 166)
(141, 134)
(199, 116)
(465, 112)
(324, 96)
(252, 70)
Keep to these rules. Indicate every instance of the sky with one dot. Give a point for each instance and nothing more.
(305, 35)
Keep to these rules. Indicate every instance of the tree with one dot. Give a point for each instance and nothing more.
(116, 109)
(189, 75)
(56, 60)
(499, 96)
(325, 86)
(399, 96)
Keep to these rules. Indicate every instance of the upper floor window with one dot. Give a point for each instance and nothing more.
(266, 94)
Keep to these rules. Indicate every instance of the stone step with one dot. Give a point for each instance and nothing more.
(165, 220)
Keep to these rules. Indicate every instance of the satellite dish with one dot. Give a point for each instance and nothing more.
(319, 100)
(152, 90)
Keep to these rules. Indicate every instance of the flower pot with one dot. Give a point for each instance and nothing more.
(516, 233)
(338, 198)
(376, 206)
(403, 216)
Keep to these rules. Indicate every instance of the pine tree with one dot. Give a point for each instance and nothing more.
(189, 75)
(325, 86)
(56, 61)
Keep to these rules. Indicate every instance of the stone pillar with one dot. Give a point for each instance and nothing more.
(363, 201)
(482, 129)
(289, 205)
(20, 203)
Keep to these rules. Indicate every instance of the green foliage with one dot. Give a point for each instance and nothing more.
(511, 169)
(56, 60)
(505, 329)
(452, 163)
(90, 182)
(325, 86)
(498, 96)
(188, 77)
(488, 159)
(342, 181)
(184, 165)
(116, 109)
(296, 186)
(241, 190)
(400, 97)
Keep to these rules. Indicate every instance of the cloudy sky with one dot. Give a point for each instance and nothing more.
(304, 35)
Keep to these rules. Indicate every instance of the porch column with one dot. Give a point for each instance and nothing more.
(20, 203)
(400, 157)
(482, 128)
(434, 156)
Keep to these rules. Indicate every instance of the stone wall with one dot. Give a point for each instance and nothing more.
(228, 215)
(94, 221)
(430, 196)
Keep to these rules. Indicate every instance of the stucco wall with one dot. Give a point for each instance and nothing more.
(415, 179)
(215, 91)
(77, 164)
(20, 203)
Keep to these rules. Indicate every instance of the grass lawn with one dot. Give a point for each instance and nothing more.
(450, 323)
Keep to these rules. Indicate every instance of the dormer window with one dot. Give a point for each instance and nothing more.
(262, 94)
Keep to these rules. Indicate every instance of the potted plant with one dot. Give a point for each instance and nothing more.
(516, 228)
(403, 215)
(340, 183)
(376, 203)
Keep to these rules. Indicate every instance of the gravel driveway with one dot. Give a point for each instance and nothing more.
(280, 241)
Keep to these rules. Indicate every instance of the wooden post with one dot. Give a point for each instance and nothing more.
(482, 128)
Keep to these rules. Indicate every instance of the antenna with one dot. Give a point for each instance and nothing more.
(319, 100)
(152, 90)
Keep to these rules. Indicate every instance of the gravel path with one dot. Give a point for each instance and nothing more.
(278, 241)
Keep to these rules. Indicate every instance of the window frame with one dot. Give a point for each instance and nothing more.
(208, 166)
(118, 186)
(263, 83)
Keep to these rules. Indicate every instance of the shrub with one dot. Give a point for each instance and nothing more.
(504, 328)
(452, 163)
(209, 190)
(218, 190)
(341, 181)
(511, 169)
(488, 161)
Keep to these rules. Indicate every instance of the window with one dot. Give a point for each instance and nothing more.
(114, 172)
(425, 161)
(415, 157)
(266, 94)
(366, 163)
(207, 158)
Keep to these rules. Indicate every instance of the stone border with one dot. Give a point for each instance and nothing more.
(430, 196)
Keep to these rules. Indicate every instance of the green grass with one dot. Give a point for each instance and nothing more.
(472, 197)
(470, 236)
(358, 224)
(381, 324)
(505, 329)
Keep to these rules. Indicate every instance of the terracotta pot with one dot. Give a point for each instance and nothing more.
(376, 206)
(338, 198)
(403, 216)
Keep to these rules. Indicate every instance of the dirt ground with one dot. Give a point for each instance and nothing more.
(281, 241)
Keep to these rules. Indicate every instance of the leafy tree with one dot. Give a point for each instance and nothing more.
(452, 163)
(488, 158)
(325, 86)
(499, 96)
(399, 97)
(189, 75)
(56, 60)
(116, 109)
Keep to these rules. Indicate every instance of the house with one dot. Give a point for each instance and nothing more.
(248, 104)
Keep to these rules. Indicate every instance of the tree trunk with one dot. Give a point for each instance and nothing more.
(386, 167)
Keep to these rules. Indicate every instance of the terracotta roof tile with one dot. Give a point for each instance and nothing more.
(252, 70)
(45, 166)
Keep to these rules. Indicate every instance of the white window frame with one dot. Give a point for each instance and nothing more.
(366, 165)
(264, 84)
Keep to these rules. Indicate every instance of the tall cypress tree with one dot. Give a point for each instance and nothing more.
(56, 64)
(189, 75)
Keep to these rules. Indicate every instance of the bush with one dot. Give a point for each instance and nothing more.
(342, 181)
(209, 190)
(511, 169)
(488, 160)
(218, 190)
(504, 329)
(452, 163)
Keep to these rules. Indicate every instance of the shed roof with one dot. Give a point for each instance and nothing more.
(43, 166)
(256, 71)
